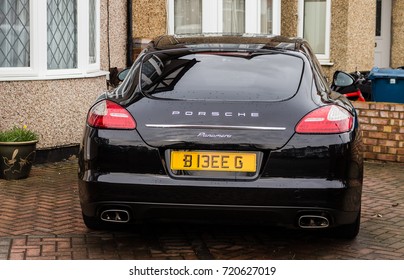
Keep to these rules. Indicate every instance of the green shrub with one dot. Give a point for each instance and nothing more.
(18, 134)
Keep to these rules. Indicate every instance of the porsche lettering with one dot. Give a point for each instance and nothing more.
(215, 114)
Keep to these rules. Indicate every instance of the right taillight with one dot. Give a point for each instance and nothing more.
(110, 115)
(326, 120)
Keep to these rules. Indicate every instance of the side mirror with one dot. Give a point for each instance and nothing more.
(342, 79)
(122, 75)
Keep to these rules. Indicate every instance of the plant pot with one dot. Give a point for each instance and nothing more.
(16, 159)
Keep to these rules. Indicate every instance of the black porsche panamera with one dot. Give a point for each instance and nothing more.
(223, 128)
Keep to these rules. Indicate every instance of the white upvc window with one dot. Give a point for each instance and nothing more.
(315, 26)
(224, 16)
(49, 39)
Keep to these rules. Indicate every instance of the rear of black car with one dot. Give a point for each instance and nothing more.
(228, 132)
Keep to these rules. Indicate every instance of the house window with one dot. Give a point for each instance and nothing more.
(62, 34)
(314, 26)
(45, 39)
(267, 17)
(233, 16)
(188, 16)
(14, 33)
(92, 32)
(224, 16)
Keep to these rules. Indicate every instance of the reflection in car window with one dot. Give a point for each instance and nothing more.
(129, 86)
(320, 79)
(214, 76)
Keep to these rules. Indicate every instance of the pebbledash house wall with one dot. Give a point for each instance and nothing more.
(57, 109)
(397, 36)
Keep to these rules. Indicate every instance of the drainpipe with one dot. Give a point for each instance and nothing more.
(129, 45)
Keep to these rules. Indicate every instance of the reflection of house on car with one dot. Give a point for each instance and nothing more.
(55, 54)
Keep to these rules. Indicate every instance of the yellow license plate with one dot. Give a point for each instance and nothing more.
(213, 161)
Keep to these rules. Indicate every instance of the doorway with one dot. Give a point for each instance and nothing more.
(383, 33)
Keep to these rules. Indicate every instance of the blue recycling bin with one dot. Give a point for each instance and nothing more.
(387, 85)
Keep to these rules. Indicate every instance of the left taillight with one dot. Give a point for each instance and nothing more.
(326, 120)
(109, 115)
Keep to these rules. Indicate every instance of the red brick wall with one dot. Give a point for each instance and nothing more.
(383, 130)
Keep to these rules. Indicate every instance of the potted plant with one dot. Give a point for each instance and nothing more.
(17, 152)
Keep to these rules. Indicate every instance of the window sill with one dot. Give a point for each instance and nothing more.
(55, 77)
(326, 62)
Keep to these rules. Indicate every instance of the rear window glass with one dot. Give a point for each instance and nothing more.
(228, 76)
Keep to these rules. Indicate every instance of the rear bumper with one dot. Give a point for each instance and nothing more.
(323, 178)
(267, 201)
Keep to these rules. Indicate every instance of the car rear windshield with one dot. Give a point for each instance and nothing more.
(234, 76)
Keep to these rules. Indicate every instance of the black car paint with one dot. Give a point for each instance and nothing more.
(298, 174)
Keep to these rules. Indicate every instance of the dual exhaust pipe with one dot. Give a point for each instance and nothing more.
(115, 216)
(313, 221)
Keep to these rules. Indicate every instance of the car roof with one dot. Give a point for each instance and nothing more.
(245, 41)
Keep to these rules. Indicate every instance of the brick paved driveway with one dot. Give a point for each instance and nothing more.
(40, 218)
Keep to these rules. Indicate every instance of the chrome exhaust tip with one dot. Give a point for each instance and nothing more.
(313, 221)
(115, 216)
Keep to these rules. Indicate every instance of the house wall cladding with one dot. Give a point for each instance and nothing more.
(113, 35)
(397, 38)
(382, 127)
(149, 18)
(55, 109)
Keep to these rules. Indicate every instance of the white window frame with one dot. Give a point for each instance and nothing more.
(93, 67)
(324, 58)
(38, 69)
(212, 16)
(25, 71)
